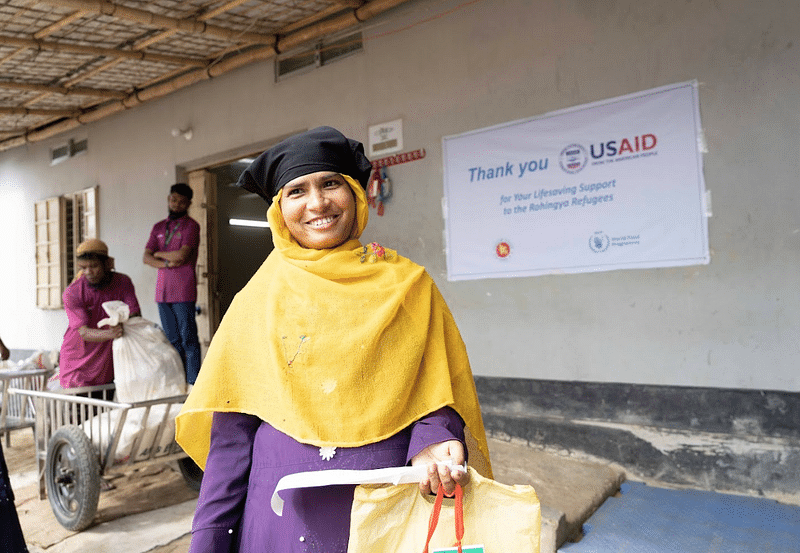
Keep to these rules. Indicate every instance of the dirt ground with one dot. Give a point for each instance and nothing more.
(143, 489)
(570, 490)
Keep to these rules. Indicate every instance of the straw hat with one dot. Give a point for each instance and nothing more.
(92, 245)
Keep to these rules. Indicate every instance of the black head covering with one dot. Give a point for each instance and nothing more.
(320, 149)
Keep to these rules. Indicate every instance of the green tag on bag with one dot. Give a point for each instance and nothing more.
(464, 549)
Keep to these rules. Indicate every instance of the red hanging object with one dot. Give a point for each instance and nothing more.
(458, 512)
(379, 189)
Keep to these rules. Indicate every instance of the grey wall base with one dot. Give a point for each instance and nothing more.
(741, 441)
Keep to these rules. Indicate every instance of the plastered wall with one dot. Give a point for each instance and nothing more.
(450, 67)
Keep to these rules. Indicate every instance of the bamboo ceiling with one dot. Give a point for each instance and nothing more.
(65, 63)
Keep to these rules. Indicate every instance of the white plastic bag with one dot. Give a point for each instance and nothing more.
(135, 427)
(40, 359)
(146, 366)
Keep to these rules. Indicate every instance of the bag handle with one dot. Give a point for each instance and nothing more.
(459, 516)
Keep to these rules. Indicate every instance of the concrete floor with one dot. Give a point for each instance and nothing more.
(151, 509)
(569, 490)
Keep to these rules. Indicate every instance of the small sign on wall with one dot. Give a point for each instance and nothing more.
(386, 138)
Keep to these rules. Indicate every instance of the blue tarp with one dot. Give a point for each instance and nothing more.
(644, 519)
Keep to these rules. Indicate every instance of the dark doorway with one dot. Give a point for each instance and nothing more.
(240, 249)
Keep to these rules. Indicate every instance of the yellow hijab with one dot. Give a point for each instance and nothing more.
(340, 347)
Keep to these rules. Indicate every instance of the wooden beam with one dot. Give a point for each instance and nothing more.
(220, 10)
(323, 28)
(371, 9)
(102, 93)
(89, 74)
(190, 77)
(12, 55)
(96, 51)
(354, 4)
(60, 24)
(35, 100)
(144, 17)
(327, 12)
(45, 112)
(45, 32)
(163, 35)
(141, 45)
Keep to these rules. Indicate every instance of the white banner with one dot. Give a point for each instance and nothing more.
(616, 184)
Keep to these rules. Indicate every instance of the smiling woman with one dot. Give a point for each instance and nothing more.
(319, 209)
(335, 355)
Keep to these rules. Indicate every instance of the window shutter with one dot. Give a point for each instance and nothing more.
(50, 252)
(62, 223)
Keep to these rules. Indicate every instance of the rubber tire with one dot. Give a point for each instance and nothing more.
(72, 478)
(191, 472)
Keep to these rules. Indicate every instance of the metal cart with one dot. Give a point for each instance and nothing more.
(16, 411)
(78, 440)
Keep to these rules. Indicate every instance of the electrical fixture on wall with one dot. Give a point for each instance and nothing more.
(185, 133)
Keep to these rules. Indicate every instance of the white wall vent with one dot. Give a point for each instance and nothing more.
(59, 154)
(70, 149)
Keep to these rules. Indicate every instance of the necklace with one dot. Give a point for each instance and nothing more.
(170, 234)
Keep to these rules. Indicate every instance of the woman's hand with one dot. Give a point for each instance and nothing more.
(452, 450)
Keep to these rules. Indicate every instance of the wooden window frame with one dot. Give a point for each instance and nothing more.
(62, 222)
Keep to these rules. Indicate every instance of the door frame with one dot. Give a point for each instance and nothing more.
(203, 209)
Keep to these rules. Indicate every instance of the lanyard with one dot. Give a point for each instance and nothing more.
(169, 234)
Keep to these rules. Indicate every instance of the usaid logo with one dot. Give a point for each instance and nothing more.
(624, 146)
(573, 158)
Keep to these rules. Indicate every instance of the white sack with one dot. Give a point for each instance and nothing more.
(146, 366)
(105, 424)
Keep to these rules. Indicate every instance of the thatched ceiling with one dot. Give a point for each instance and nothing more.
(64, 63)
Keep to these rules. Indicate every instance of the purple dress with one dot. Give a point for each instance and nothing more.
(248, 457)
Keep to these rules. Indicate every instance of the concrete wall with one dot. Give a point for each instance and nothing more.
(741, 441)
(447, 68)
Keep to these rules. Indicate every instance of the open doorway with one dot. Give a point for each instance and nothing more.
(230, 253)
(241, 248)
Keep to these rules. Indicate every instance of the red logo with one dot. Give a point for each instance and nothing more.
(503, 249)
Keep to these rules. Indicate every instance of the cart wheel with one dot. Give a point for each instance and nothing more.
(192, 473)
(72, 476)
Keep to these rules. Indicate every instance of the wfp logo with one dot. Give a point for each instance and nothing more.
(573, 158)
(598, 242)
